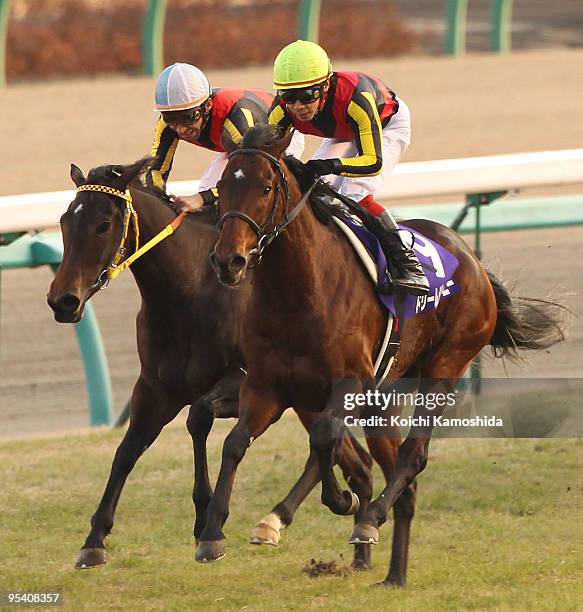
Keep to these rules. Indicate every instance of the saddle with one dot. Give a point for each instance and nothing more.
(438, 263)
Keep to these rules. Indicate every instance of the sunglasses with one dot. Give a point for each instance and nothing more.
(305, 96)
(186, 118)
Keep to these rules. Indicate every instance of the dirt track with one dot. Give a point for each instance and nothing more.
(478, 105)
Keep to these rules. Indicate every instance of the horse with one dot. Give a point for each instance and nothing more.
(315, 324)
(188, 335)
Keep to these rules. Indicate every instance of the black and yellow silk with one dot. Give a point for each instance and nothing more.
(234, 111)
(357, 107)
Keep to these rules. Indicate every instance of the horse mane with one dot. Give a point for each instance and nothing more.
(205, 214)
(111, 173)
(138, 185)
(319, 196)
(108, 173)
(261, 136)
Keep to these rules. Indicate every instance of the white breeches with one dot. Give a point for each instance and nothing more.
(396, 138)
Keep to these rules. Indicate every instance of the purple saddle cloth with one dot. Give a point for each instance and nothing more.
(437, 263)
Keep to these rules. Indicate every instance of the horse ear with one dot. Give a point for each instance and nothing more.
(128, 173)
(77, 175)
(227, 142)
(279, 148)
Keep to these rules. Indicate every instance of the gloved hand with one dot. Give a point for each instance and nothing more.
(322, 167)
(186, 203)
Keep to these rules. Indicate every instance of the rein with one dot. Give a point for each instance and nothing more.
(266, 238)
(118, 263)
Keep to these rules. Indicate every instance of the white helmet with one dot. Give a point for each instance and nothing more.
(181, 87)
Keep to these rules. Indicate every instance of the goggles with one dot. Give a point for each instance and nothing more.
(305, 96)
(184, 118)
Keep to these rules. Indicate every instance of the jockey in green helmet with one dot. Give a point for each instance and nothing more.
(366, 129)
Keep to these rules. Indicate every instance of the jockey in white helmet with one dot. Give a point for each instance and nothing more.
(193, 112)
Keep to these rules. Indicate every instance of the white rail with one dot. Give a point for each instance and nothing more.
(38, 211)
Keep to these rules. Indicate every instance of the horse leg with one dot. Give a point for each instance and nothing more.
(403, 512)
(222, 401)
(357, 471)
(445, 370)
(149, 413)
(355, 463)
(384, 447)
(257, 413)
(411, 460)
(326, 436)
(268, 529)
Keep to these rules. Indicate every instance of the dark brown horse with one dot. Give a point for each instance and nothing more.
(314, 320)
(188, 332)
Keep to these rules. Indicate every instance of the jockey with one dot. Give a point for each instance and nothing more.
(366, 129)
(191, 111)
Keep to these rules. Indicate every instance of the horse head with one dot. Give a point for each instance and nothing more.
(255, 199)
(93, 229)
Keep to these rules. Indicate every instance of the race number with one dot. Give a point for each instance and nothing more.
(425, 248)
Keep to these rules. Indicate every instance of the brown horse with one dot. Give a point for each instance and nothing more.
(314, 320)
(188, 332)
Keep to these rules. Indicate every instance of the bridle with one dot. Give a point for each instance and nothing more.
(118, 263)
(130, 215)
(282, 193)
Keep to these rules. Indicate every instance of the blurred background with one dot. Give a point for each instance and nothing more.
(53, 38)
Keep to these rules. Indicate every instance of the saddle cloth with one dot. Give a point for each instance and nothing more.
(437, 263)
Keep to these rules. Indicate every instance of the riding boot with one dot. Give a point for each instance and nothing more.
(404, 267)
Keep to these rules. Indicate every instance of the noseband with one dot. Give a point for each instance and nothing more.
(264, 238)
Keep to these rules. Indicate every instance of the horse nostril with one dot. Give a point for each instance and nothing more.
(238, 262)
(68, 303)
(213, 259)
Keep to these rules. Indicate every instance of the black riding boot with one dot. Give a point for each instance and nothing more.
(405, 269)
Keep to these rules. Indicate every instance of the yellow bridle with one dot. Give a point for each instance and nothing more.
(117, 265)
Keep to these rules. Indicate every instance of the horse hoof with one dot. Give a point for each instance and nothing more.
(391, 583)
(361, 565)
(210, 551)
(91, 557)
(364, 534)
(354, 505)
(267, 531)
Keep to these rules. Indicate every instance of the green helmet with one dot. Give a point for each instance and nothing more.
(300, 64)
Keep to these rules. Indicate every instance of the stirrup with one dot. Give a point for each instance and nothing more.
(386, 283)
(386, 287)
(411, 286)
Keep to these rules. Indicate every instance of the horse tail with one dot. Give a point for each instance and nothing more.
(524, 323)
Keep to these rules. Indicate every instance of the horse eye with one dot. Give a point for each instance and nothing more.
(103, 227)
(266, 190)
